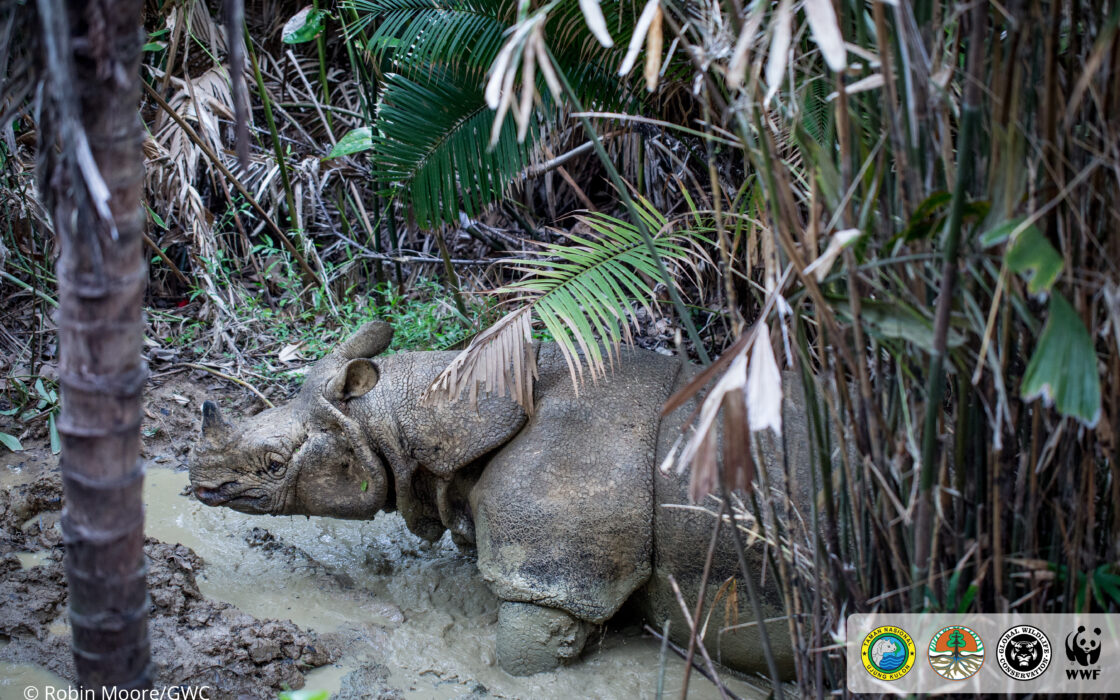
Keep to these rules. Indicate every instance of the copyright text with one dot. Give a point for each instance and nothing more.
(201, 692)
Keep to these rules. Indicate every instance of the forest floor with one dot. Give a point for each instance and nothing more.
(251, 605)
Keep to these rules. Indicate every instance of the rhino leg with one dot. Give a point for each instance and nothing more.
(533, 638)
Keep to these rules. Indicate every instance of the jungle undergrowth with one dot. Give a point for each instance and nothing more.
(285, 336)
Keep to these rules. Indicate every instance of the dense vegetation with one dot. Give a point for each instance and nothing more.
(915, 203)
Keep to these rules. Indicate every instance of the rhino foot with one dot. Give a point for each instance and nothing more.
(533, 638)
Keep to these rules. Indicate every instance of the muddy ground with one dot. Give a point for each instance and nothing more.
(250, 605)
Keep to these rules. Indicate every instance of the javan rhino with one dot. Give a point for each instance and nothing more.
(565, 508)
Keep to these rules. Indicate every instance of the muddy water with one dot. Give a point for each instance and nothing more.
(15, 677)
(416, 617)
(412, 617)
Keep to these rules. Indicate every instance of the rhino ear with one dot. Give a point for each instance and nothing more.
(214, 427)
(355, 379)
(368, 341)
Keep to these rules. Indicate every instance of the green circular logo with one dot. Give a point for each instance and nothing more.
(888, 653)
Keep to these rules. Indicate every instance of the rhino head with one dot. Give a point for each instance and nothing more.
(307, 457)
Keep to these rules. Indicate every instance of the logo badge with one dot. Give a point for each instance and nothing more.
(1084, 649)
(956, 653)
(888, 653)
(1024, 652)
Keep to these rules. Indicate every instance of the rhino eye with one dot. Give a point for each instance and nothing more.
(275, 464)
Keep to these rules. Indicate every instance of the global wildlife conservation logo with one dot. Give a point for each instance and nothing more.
(956, 653)
(1024, 652)
(888, 653)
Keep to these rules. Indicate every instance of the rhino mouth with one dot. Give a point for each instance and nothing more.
(232, 495)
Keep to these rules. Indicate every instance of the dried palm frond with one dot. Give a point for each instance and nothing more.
(17, 80)
(500, 357)
(749, 394)
(582, 293)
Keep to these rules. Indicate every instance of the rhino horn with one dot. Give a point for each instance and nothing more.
(368, 341)
(355, 379)
(214, 427)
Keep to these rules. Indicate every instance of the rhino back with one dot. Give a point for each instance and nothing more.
(563, 512)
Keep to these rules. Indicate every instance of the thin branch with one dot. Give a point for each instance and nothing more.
(230, 378)
(23, 285)
(696, 664)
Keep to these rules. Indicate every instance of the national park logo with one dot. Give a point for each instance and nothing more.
(888, 653)
(956, 653)
(1024, 652)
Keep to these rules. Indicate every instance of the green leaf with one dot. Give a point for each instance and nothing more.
(56, 439)
(156, 218)
(966, 601)
(365, 486)
(897, 322)
(304, 695)
(466, 33)
(47, 395)
(356, 141)
(583, 291)
(1106, 583)
(1063, 369)
(999, 233)
(11, 442)
(1032, 256)
(433, 127)
(927, 217)
(304, 26)
(154, 46)
(431, 146)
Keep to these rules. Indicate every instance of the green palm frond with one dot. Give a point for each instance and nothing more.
(431, 145)
(432, 130)
(583, 292)
(415, 34)
(426, 32)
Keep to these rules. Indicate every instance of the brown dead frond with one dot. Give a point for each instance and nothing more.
(749, 398)
(500, 358)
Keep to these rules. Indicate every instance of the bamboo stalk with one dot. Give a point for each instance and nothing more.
(277, 148)
(696, 664)
(452, 280)
(321, 50)
(935, 385)
(694, 637)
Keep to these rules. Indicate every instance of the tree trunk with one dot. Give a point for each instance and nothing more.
(91, 171)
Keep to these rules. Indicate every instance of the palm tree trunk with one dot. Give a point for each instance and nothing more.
(91, 171)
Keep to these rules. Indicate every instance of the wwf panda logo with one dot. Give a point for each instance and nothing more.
(1083, 648)
(1024, 652)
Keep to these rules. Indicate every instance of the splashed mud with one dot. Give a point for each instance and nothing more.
(246, 604)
